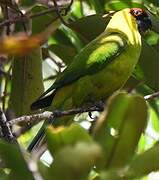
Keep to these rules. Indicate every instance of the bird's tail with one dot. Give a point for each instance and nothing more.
(37, 139)
(39, 136)
(43, 102)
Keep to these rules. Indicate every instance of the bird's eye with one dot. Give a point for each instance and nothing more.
(136, 12)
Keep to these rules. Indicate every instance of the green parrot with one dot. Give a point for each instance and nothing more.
(102, 67)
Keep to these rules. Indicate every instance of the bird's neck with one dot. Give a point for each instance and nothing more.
(123, 22)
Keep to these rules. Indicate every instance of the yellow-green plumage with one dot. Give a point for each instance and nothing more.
(101, 68)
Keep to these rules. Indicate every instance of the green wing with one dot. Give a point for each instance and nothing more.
(93, 58)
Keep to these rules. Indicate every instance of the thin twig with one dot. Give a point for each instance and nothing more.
(68, 8)
(151, 96)
(58, 13)
(31, 118)
(25, 17)
(14, 20)
(6, 131)
(47, 115)
(14, 8)
(7, 17)
(53, 9)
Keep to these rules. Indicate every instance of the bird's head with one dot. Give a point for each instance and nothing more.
(142, 18)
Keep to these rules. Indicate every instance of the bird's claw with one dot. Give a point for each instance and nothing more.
(90, 115)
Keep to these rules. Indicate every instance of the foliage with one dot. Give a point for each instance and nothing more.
(121, 142)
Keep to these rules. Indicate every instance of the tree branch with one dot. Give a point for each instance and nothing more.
(151, 96)
(58, 13)
(25, 17)
(5, 128)
(35, 118)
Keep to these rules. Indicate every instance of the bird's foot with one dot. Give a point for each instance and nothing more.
(90, 115)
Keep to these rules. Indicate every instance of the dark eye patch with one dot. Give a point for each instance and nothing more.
(143, 21)
(137, 12)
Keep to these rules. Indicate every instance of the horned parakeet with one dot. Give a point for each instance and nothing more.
(102, 67)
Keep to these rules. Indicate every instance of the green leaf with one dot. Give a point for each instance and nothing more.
(111, 174)
(27, 84)
(57, 138)
(27, 2)
(40, 23)
(75, 162)
(64, 52)
(119, 130)
(77, 10)
(3, 175)
(140, 166)
(95, 22)
(131, 84)
(154, 119)
(144, 163)
(14, 160)
(120, 4)
(61, 38)
(149, 65)
(97, 6)
(155, 21)
(152, 38)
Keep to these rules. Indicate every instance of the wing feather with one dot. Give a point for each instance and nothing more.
(94, 57)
